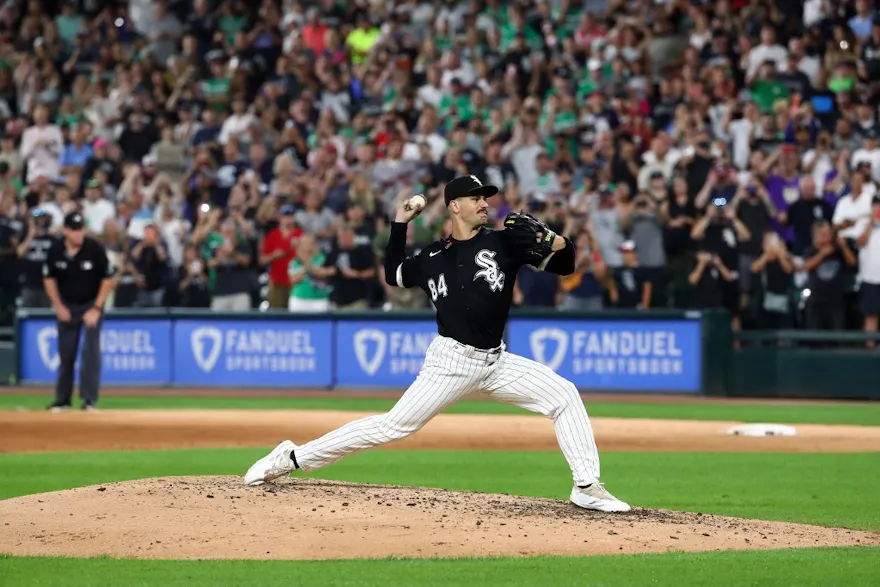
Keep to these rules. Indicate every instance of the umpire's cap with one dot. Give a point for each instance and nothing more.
(74, 221)
(467, 185)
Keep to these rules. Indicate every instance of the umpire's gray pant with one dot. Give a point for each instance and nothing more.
(90, 361)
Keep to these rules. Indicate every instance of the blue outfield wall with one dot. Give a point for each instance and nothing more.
(608, 351)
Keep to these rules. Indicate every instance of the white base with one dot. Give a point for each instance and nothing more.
(762, 430)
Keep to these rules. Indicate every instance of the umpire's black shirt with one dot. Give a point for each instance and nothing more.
(78, 278)
(470, 282)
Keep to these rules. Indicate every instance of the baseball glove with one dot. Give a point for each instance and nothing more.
(522, 231)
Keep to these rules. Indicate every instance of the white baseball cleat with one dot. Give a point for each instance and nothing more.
(596, 497)
(272, 466)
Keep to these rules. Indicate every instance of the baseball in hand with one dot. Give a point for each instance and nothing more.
(417, 203)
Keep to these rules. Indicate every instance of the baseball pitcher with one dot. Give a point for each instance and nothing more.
(469, 277)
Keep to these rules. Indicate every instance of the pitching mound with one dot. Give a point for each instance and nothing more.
(216, 517)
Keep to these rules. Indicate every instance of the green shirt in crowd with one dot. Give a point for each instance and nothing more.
(215, 89)
(766, 92)
(309, 288)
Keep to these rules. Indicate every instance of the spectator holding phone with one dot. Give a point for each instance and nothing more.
(582, 290)
(150, 260)
(645, 228)
(711, 280)
(755, 211)
(230, 259)
(772, 272)
(826, 261)
(720, 232)
(193, 280)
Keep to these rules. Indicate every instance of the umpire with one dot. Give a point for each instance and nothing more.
(78, 278)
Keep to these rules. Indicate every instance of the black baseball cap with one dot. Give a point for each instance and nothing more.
(467, 185)
(74, 221)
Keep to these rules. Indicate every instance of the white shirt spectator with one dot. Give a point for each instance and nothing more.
(429, 95)
(872, 157)
(174, 232)
(673, 156)
(141, 13)
(97, 214)
(761, 53)
(99, 112)
(869, 258)
(821, 169)
(436, 143)
(235, 124)
(810, 66)
(41, 148)
(137, 226)
(858, 210)
(164, 35)
(740, 132)
(339, 104)
(523, 161)
(651, 165)
(466, 73)
(454, 16)
(815, 11)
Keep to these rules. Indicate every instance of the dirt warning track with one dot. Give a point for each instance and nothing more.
(166, 429)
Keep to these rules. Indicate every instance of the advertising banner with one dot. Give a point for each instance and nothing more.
(610, 355)
(253, 353)
(381, 353)
(132, 351)
(631, 355)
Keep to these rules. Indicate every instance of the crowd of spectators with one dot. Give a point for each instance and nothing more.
(236, 155)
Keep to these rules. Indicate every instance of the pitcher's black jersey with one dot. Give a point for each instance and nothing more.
(470, 282)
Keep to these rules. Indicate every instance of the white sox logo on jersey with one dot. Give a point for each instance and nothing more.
(490, 271)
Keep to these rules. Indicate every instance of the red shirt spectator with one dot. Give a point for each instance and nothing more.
(279, 247)
(314, 33)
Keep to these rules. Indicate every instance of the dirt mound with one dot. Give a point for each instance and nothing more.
(170, 429)
(217, 517)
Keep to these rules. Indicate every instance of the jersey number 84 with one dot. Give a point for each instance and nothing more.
(438, 289)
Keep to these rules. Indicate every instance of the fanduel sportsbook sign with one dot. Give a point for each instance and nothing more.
(255, 352)
(247, 353)
(132, 351)
(381, 353)
(610, 355)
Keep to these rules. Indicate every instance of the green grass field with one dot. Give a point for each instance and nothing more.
(854, 414)
(853, 567)
(827, 489)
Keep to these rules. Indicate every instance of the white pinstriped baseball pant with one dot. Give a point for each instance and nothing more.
(452, 371)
